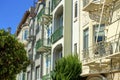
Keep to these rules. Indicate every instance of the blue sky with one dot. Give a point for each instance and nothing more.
(12, 11)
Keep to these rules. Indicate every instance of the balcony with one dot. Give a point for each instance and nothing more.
(95, 5)
(105, 49)
(91, 5)
(55, 3)
(102, 55)
(57, 34)
(100, 68)
(47, 19)
(96, 52)
(45, 14)
(40, 14)
(43, 45)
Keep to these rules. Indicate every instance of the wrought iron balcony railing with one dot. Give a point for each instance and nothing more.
(40, 14)
(86, 2)
(57, 34)
(108, 48)
(55, 3)
(90, 5)
(43, 45)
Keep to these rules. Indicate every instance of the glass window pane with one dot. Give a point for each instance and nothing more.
(101, 34)
(86, 37)
(37, 72)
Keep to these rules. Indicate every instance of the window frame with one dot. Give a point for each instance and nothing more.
(28, 75)
(76, 9)
(48, 63)
(75, 48)
(85, 36)
(37, 72)
(95, 29)
(25, 34)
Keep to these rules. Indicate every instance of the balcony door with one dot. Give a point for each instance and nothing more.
(86, 38)
(99, 35)
(85, 42)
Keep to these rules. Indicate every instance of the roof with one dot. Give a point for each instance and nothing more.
(25, 16)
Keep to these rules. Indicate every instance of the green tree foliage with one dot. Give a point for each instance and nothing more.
(13, 56)
(67, 68)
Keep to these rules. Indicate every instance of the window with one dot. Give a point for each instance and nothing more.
(75, 48)
(100, 36)
(58, 22)
(56, 56)
(37, 73)
(48, 60)
(61, 20)
(86, 38)
(49, 33)
(28, 75)
(49, 8)
(20, 77)
(26, 34)
(60, 55)
(85, 43)
(37, 29)
(23, 74)
(31, 30)
(76, 6)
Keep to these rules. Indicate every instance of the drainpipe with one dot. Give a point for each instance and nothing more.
(32, 48)
(79, 27)
(42, 37)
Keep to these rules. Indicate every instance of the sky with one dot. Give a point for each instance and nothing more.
(11, 13)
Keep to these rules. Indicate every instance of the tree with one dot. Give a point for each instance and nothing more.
(67, 68)
(13, 57)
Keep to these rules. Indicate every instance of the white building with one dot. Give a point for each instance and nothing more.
(100, 39)
(89, 28)
(53, 34)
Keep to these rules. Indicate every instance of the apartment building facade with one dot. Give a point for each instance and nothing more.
(22, 35)
(100, 39)
(40, 45)
(89, 28)
(50, 36)
(46, 43)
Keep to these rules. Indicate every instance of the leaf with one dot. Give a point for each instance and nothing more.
(13, 57)
(67, 68)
